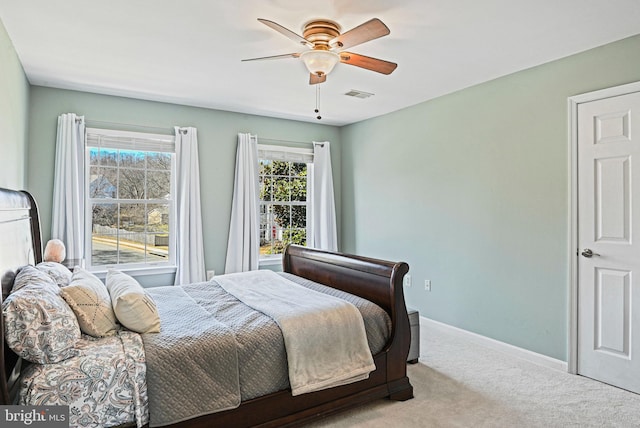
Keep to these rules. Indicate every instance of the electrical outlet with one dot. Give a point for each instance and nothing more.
(407, 280)
(427, 285)
(210, 274)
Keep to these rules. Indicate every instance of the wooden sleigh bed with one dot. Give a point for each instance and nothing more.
(378, 281)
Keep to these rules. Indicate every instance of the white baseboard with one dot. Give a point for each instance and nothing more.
(505, 348)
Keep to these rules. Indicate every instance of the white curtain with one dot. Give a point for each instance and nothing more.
(190, 244)
(323, 208)
(243, 248)
(67, 223)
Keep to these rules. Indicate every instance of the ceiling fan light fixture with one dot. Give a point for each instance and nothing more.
(324, 37)
(320, 62)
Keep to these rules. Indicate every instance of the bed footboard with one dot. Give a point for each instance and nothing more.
(379, 281)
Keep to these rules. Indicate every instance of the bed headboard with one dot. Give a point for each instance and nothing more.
(20, 244)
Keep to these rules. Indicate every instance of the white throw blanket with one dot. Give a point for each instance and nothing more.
(324, 336)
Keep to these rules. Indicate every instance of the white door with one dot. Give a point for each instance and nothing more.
(609, 240)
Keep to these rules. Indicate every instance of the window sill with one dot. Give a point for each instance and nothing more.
(138, 271)
(271, 261)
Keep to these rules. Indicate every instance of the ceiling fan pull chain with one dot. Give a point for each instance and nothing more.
(317, 110)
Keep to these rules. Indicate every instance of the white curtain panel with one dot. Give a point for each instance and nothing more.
(190, 242)
(323, 207)
(243, 249)
(67, 223)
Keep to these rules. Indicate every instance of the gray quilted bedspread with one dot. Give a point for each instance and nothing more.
(261, 358)
(184, 377)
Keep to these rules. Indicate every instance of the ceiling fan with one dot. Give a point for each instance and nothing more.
(326, 45)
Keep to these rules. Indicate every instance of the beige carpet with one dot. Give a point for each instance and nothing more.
(463, 384)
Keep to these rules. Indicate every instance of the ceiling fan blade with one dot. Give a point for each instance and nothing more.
(373, 64)
(286, 32)
(370, 30)
(314, 79)
(291, 55)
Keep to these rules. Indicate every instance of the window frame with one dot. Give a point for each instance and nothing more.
(286, 154)
(131, 141)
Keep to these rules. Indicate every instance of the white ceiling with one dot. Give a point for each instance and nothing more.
(189, 51)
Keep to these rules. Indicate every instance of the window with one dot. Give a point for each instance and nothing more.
(284, 198)
(130, 210)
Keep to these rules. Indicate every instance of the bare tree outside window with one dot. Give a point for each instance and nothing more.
(130, 197)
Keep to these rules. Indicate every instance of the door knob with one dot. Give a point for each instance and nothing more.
(588, 253)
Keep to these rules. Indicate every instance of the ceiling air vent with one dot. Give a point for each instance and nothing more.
(358, 94)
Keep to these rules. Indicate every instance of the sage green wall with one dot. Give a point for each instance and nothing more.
(217, 138)
(14, 108)
(472, 190)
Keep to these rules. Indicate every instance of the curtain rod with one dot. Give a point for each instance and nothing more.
(278, 140)
(168, 131)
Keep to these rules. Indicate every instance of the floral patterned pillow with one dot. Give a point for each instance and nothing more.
(60, 274)
(39, 325)
(29, 275)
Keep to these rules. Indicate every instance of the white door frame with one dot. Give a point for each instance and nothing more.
(573, 103)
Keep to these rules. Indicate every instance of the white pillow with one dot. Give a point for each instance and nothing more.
(134, 308)
(89, 299)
